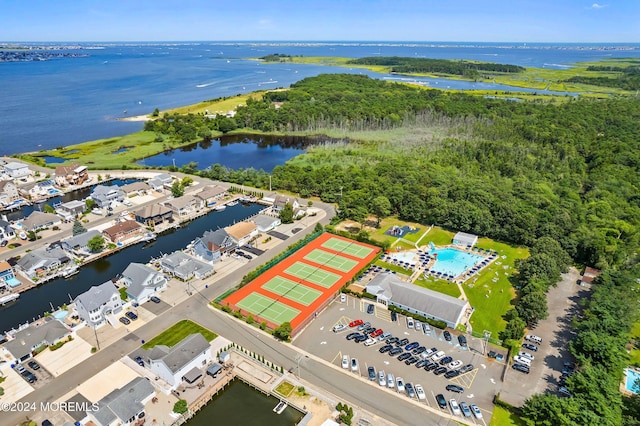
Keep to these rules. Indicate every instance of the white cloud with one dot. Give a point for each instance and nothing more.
(598, 6)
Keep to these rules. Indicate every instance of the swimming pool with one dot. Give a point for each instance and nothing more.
(454, 262)
(404, 256)
(632, 376)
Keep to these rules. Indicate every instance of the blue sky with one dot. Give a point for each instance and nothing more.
(366, 20)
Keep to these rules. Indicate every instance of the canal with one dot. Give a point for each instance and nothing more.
(240, 404)
(33, 303)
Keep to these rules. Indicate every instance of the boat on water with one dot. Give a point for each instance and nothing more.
(70, 270)
(220, 207)
(9, 298)
(278, 409)
(232, 203)
(149, 236)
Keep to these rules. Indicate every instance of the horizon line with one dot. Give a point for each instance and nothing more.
(325, 41)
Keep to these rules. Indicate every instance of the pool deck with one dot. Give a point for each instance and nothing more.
(623, 384)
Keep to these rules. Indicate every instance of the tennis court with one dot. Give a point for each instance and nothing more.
(312, 274)
(347, 247)
(331, 260)
(267, 308)
(292, 290)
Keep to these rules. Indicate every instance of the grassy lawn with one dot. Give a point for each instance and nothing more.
(439, 237)
(177, 332)
(390, 266)
(123, 293)
(216, 105)
(492, 300)
(285, 388)
(440, 286)
(503, 417)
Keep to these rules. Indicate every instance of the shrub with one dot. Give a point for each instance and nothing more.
(180, 407)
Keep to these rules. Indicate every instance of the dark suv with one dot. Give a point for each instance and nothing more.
(455, 388)
(462, 340)
(521, 368)
(131, 315)
(442, 403)
(28, 376)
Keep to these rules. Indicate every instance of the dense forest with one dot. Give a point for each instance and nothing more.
(560, 178)
(404, 65)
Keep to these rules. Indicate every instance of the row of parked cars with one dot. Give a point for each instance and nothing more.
(461, 408)
(28, 374)
(522, 361)
(417, 325)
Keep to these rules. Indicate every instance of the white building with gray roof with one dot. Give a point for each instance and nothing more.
(142, 282)
(124, 406)
(79, 243)
(99, 304)
(184, 361)
(265, 223)
(40, 262)
(104, 195)
(465, 240)
(183, 266)
(392, 291)
(25, 341)
(39, 220)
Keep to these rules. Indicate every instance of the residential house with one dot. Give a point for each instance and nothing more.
(142, 282)
(8, 192)
(40, 262)
(279, 202)
(153, 214)
(209, 195)
(25, 341)
(71, 209)
(7, 276)
(104, 195)
(72, 174)
(99, 304)
(135, 189)
(17, 170)
(124, 406)
(40, 220)
(392, 291)
(183, 266)
(33, 190)
(465, 240)
(6, 230)
(183, 206)
(123, 230)
(266, 223)
(79, 244)
(161, 181)
(242, 232)
(213, 244)
(185, 361)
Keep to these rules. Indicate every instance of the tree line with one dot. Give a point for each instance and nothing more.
(405, 65)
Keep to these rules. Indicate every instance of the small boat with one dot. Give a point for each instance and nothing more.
(280, 407)
(220, 207)
(69, 271)
(10, 297)
(232, 203)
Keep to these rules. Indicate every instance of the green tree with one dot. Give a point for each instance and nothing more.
(380, 207)
(177, 189)
(532, 307)
(96, 244)
(283, 332)
(180, 407)
(90, 204)
(156, 112)
(31, 235)
(78, 228)
(286, 214)
(186, 181)
(48, 209)
(515, 326)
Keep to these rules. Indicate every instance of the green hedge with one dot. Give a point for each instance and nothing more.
(438, 324)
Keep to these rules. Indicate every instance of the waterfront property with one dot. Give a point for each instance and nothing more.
(123, 230)
(153, 214)
(104, 195)
(280, 201)
(39, 220)
(184, 361)
(142, 282)
(213, 244)
(242, 232)
(6, 230)
(161, 181)
(17, 170)
(303, 283)
(392, 291)
(72, 174)
(26, 341)
(135, 188)
(183, 266)
(79, 244)
(7, 276)
(99, 304)
(210, 194)
(8, 192)
(184, 205)
(71, 209)
(35, 190)
(124, 406)
(266, 223)
(41, 262)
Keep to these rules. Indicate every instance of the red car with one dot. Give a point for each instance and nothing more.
(356, 323)
(377, 333)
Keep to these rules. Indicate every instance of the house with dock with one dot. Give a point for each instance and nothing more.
(40, 220)
(42, 262)
(160, 182)
(135, 189)
(153, 215)
(79, 244)
(184, 205)
(185, 267)
(265, 223)
(23, 343)
(7, 276)
(8, 192)
(123, 406)
(210, 195)
(213, 245)
(124, 230)
(242, 232)
(104, 195)
(72, 174)
(71, 209)
(142, 282)
(99, 304)
(279, 201)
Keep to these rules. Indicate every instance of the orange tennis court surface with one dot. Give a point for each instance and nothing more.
(298, 287)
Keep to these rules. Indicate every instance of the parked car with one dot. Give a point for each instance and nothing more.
(140, 361)
(431, 351)
(391, 382)
(4, 243)
(372, 372)
(411, 360)
(476, 411)
(411, 346)
(533, 338)
(339, 327)
(466, 368)
(395, 351)
(522, 360)
(155, 299)
(521, 368)
(354, 364)
(418, 351)
(466, 411)
(442, 402)
(531, 347)
(124, 320)
(385, 348)
(400, 384)
(437, 356)
(564, 391)
(431, 366)
(446, 360)
(343, 297)
(131, 315)
(402, 342)
(28, 376)
(526, 355)
(404, 356)
(363, 325)
(462, 340)
(360, 338)
(420, 393)
(351, 336)
(417, 325)
(410, 392)
(382, 381)
(384, 336)
(455, 388)
(455, 408)
(447, 336)
(392, 340)
(426, 328)
(440, 370)
(356, 323)
(394, 316)
(345, 361)
(370, 341)
(370, 309)
(451, 374)
(455, 364)
(34, 365)
(19, 368)
(409, 322)
(421, 363)
(377, 333)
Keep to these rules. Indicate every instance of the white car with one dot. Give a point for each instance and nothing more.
(354, 364)
(526, 355)
(391, 382)
(455, 408)
(370, 341)
(382, 381)
(418, 325)
(533, 338)
(409, 322)
(339, 327)
(438, 356)
(522, 360)
(476, 411)
(400, 384)
(455, 364)
(345, 361)
(420, 392)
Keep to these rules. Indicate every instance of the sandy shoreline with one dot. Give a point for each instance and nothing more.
(135, 118)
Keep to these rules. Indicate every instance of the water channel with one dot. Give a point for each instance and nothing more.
(35, 302)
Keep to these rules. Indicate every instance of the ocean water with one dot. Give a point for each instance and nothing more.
(71, 100)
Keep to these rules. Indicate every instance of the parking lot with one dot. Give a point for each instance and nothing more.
(480, 384)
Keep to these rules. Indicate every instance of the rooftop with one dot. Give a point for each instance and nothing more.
(178, 356)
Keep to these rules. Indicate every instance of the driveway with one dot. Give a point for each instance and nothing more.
(556, 333)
